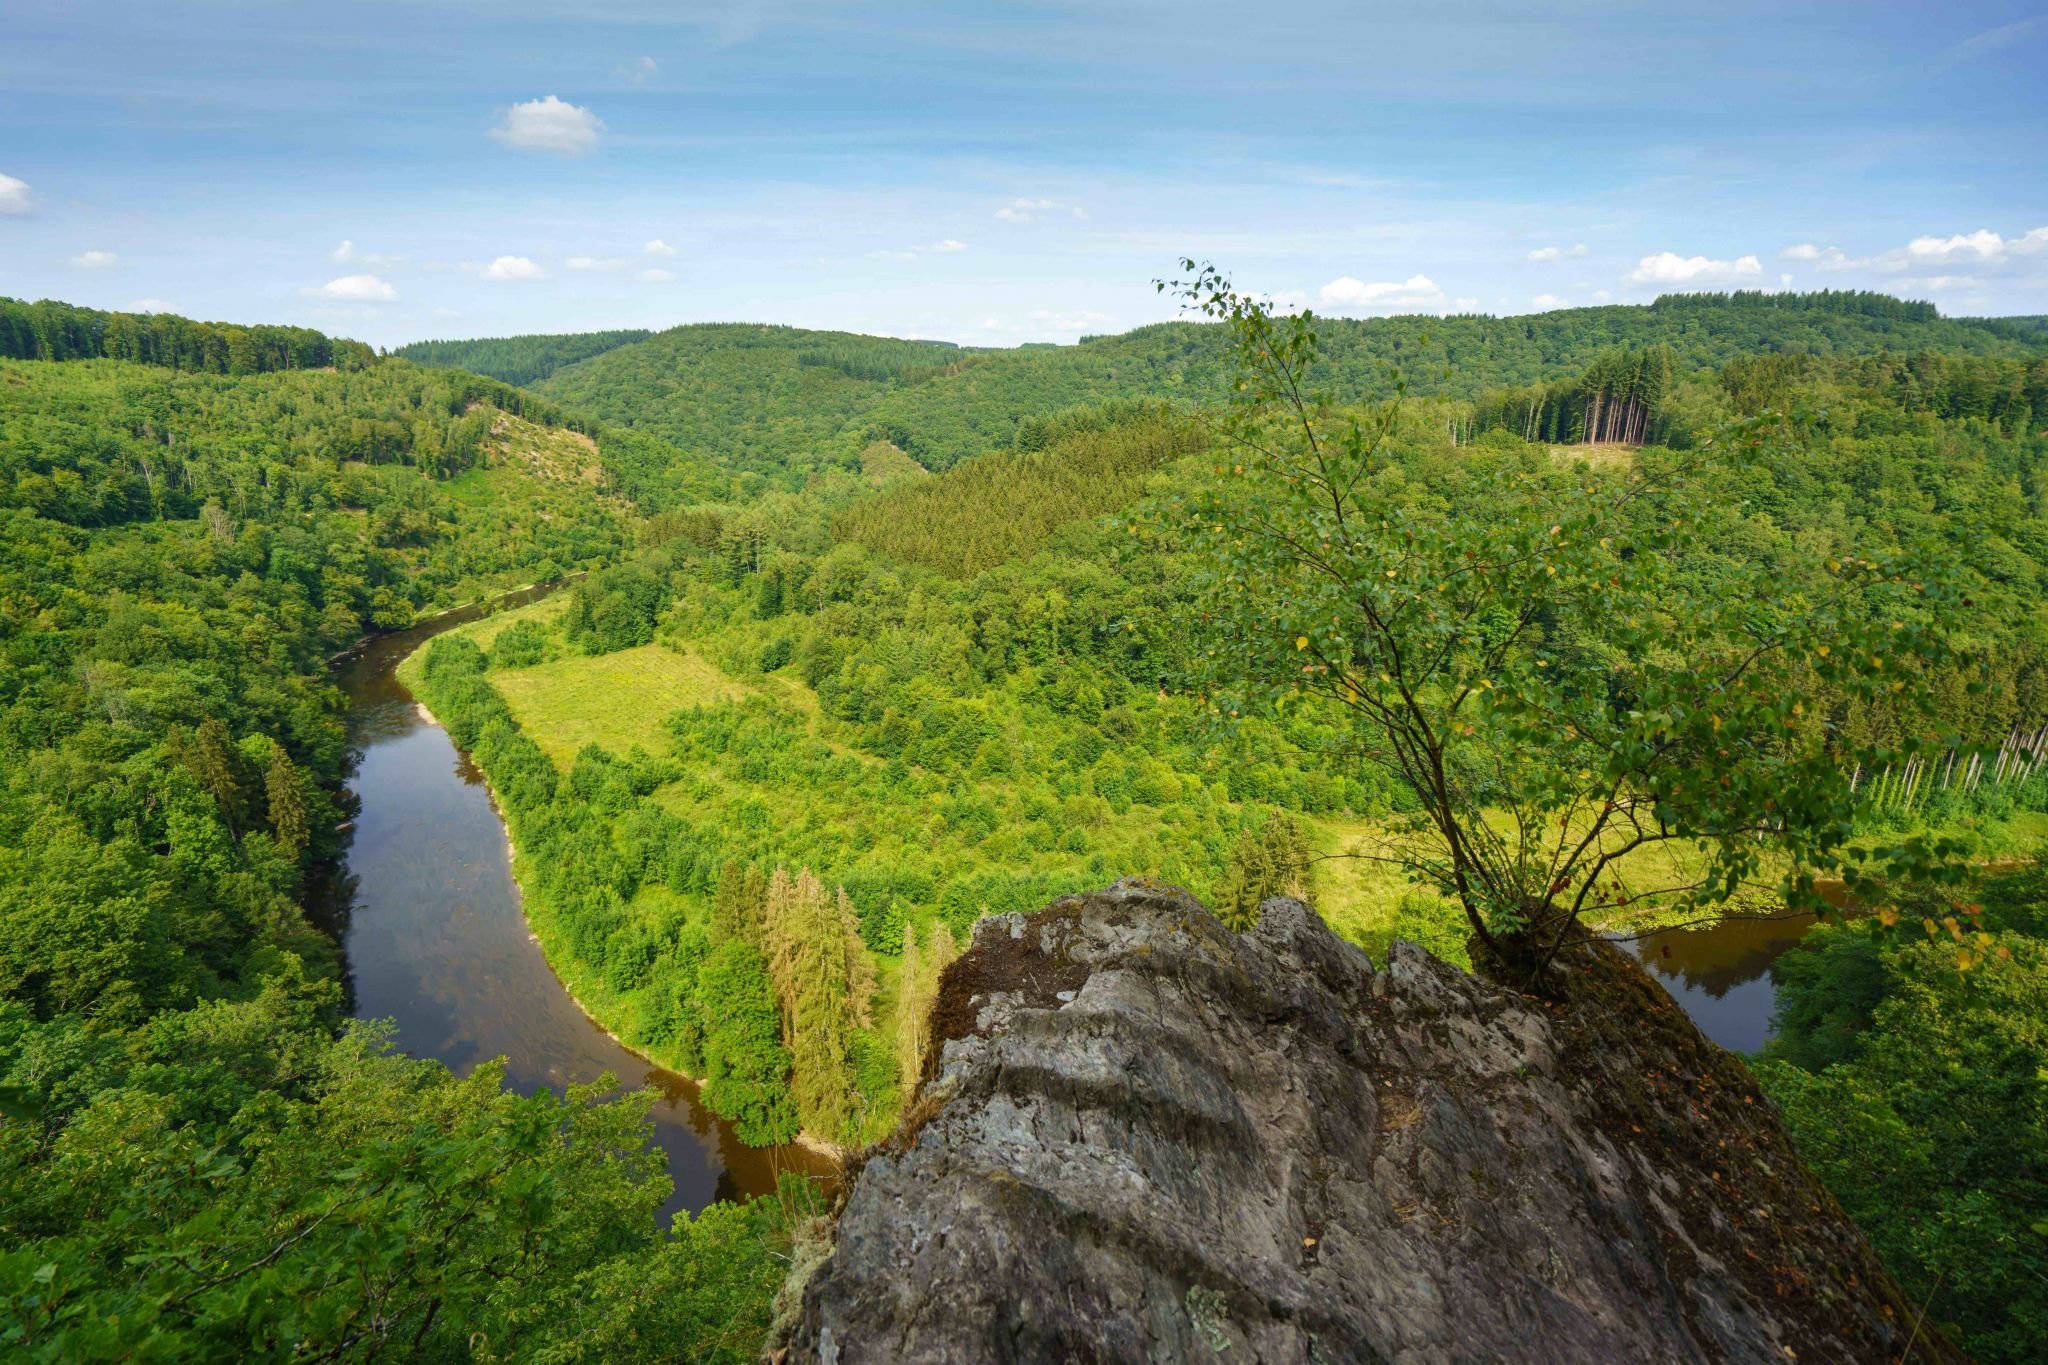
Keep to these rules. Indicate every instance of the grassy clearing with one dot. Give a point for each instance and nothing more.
(612, 700)
(1361, 898)
(484, 631)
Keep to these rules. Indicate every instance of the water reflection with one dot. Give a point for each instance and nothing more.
(429, 919)
(1723, 974)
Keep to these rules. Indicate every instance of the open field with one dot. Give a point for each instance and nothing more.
(612, 700)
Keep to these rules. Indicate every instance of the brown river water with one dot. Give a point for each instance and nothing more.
(434, 938)
(1723, 975)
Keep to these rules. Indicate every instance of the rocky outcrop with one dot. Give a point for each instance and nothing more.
(1144, 1137)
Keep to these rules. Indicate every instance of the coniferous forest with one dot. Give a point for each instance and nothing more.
(867, 639)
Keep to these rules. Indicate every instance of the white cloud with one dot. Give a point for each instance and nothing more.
(657, 276)
(1982, 248)
(1043, 323)
(911, 253)
(1821, 258)
(657, 247)
(14, 198)
(549, 125)
(361, 289)
(1558, 253)
(1983, 245)
(1030, 210)
(151, 306)
(1546, 302)
(1417, 291)
(95, 260)
(1668, 267)
(639, 71)
(513, 268)
(1601, 296)
(348, 254)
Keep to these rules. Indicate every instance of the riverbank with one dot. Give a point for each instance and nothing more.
(497, 595)
(553, 951)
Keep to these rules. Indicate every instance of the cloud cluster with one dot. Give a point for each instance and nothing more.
(1040, 323)
(514, 268)
(360, 289)
(549, 125)
(348, 254)
(618, 265)
(1668, 267)
(14, 198)
(95, 260)
(639, 71)
(940, 248)
(1558, 253)
(1031, 210)
(1982, 249)
(1387, 296)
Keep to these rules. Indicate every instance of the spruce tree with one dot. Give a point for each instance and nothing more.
(286, 797)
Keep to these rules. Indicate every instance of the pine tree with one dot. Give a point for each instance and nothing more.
(808, 965)
(286, 796)
(917, 992)
(1269, 860)
(731, 913)
(860, 968)
(216, 763)
(913, 1015)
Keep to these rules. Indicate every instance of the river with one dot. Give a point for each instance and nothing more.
(1723, 975)
(433, 936)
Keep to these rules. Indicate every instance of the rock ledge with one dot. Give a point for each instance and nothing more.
(1143, 1137)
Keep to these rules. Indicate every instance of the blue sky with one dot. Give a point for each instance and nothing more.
(998, 173)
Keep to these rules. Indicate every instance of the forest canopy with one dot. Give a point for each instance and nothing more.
(878, 637)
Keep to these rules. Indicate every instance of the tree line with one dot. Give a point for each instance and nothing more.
(48, 330)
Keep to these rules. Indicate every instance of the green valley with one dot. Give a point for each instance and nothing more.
(876, 638)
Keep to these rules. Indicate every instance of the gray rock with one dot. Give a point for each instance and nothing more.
(1142, 1137)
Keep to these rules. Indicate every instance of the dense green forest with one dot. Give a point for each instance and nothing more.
(1916, 1090)
(46, 330)
(518, 360)
(196, 1159)
(778, 400)
(911, 699)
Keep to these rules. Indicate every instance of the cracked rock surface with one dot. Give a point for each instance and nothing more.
(1143, 1137)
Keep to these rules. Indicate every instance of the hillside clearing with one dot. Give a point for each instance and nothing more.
(612, 700)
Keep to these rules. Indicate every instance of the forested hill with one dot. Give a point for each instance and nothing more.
(49, 330)
(763, 397)
(521, 359)
(780, 398)
(199, 1157)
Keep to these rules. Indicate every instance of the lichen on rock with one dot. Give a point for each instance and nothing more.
(1144, 1137)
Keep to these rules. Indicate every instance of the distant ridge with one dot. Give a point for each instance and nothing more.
(49, 330)
(519, 359)
(775, 399)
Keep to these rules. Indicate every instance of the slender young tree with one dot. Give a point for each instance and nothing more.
(1549, 655)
